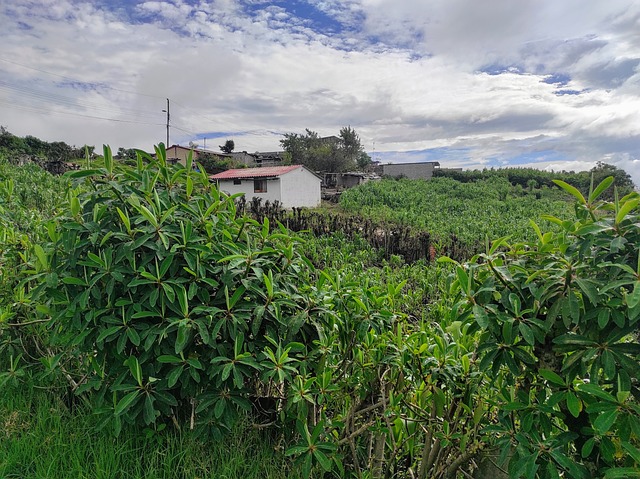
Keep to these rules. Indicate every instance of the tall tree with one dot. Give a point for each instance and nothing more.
(350, 145)
(228, 146)
(328, 154)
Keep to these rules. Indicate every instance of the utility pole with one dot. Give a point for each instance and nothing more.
(168, 117)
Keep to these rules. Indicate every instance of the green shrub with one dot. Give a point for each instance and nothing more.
(558, 320)
(170, 303)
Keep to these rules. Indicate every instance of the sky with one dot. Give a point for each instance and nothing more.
(548, 84)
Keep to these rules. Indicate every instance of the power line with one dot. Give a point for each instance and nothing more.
(40, 111)
(76, 80)
(71, 102)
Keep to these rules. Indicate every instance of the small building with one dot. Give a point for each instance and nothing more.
(179, 154)
(292, 186)
(413, 171)
(259, 158)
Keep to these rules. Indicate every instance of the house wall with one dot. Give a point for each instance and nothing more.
(300, 187)
(349, 181)
(413, 171)
(180, 153)
(246, 186)
(244, 157)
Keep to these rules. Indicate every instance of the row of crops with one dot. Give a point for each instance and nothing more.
(144, 293)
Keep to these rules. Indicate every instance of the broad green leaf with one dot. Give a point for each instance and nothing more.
(322, 459)
(626, 208)
(527, 334)
(148, 411)
(552, 377)
(168, 359)
(605, 420)
(574, 404)
(126, 402)
(182, 338)
(571, 190)
(604, 184)
(633, 299)
(596, 391)
(174, 375)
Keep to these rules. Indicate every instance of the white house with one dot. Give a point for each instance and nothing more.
(292, 186)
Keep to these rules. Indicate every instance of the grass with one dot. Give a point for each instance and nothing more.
(41, 438)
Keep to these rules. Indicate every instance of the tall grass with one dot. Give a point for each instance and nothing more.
(40, 437)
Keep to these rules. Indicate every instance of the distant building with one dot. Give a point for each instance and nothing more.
(259, 158)
(348, 179)
(292, 186)
(414, 171)
(179, 154)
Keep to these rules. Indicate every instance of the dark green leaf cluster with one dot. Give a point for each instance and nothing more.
(558, 319)
(173, 305)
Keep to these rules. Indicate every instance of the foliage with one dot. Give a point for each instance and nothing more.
(168, 307)
(12, 146)
(532, 178)
(558, 319)
(29, 196)
(127, 154)
(446, 207)
(329, 154)
(42, 437)
(167, 298)
(228, 146)
(213, 164)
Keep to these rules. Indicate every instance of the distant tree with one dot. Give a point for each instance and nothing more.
(36, 146)
(621, 179)
(59, 151)
(363, 160)
(10, 143)
(126, 154)
(228, 146)
(212, 163)
(329, 155)
(350, 145)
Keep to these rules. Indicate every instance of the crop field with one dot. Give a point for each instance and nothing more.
(149, 328)
(469, 211)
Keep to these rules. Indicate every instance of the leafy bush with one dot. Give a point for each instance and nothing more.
(558, 320)
(172, 304)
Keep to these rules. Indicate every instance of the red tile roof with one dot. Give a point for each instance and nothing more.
(267, 171)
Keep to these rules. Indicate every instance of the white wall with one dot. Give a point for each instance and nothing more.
(297, 188)
(300, 187)
(246, 187)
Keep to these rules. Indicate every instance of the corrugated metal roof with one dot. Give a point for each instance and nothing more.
(266, 171)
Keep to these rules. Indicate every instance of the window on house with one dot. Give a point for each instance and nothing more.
(259, 186)
(237, 182)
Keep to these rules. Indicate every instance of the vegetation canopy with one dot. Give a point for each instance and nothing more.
(143, 291)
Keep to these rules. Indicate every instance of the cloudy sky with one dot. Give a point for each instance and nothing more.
(545, 83)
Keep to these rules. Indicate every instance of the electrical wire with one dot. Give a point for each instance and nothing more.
(75, 80)
(68, 101)
(41, 111)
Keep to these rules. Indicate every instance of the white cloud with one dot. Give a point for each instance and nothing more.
(405, 74)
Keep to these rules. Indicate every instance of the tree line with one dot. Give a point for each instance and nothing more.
(332, 154)
(532, 178)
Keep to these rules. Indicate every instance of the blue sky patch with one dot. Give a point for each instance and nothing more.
(568, 92)
(559, 79)
(497, 69)
(315, 18)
